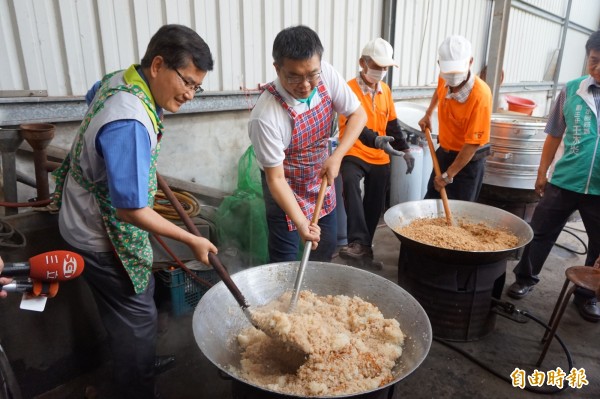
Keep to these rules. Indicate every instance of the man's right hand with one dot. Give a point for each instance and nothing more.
(310, 232)
(201, 247)
(3, 280)
(425, 123)
(540, 185)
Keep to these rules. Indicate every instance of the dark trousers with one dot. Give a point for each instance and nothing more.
(363, 212)
(549, 218)
(467, 183)
(284, 244)
(130, 321)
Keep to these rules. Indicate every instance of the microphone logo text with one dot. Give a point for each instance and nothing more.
(53, 270)
(69, 266)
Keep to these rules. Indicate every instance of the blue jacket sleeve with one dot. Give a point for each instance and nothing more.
(125, 147)
(91, 93)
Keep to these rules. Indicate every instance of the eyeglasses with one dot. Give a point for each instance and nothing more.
(295, 80)
(197, 88)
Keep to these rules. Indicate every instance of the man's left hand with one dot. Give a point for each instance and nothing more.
(383, 143)
(410, 162)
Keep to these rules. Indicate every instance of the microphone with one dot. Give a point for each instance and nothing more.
(35, 288)
(47, 266)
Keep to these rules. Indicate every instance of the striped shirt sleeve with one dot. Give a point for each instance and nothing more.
(556, 124)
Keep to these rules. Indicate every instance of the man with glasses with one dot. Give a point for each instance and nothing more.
(190, 85)
(369, 158)
(574, 185)
(289, 128)
(105, 191)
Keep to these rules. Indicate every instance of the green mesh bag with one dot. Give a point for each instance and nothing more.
(241, 221)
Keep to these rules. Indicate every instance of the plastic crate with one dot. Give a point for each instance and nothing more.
(184, 290)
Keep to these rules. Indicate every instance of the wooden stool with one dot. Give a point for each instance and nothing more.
(581, 276)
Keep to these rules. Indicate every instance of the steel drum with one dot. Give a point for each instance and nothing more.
(218, 318)
(403, 214)
(517, 143)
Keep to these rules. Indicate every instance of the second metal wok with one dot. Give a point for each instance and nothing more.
(403, 214)
(218, 318)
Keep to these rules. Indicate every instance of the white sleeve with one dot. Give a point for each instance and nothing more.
(267, 141)
(344, 100)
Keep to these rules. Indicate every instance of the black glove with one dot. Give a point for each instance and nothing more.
(410, 162)
(421, 138)
(420, 134)
(383, 143)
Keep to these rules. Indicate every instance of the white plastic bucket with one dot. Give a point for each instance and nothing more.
(405, 187)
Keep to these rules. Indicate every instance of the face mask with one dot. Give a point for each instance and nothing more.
(374, 75)
(307, 99)
(454, 79)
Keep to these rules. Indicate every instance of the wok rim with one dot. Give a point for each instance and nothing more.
(409, 340)
(447, 253)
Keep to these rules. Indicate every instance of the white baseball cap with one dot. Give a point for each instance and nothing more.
(455, 54)
(380, 51)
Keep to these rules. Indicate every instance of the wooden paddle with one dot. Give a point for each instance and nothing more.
(215, 262)
(438, 172)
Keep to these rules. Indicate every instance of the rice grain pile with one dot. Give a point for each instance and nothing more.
(349, 346)
(464, 236)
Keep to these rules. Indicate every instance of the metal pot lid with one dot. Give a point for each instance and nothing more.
(518, 120)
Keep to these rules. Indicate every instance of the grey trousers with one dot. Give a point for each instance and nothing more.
(130, 320)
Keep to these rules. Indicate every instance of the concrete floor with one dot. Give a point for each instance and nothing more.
(445, 373)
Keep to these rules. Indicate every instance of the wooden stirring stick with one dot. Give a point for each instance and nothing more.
(438, 172)
(308, 246)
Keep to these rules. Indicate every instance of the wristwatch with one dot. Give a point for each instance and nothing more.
(446, 178)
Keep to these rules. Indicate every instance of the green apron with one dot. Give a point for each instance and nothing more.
(131, 243)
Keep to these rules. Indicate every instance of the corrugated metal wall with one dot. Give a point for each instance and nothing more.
(587, 14)
(530, 45)
(421, 25)
(63, 46)
(533, 41)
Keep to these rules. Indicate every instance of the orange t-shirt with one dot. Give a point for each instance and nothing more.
(379, 113)
(464, 123)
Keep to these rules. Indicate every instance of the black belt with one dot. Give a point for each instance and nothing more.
(482, 152)
(448, 151)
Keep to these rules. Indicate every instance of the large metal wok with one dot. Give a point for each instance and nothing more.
(403, 214)
(218, 317)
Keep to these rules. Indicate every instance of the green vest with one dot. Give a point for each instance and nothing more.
(131, 244)
(579, 168)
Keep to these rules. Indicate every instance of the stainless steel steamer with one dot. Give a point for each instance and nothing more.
(517, 143)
